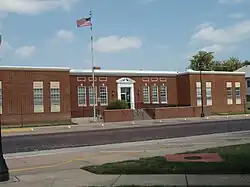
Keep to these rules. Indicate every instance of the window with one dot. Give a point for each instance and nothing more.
(55, 97)
(38, 97)
(164, 94)
(237, 93)
(155, 98)
(92, 96)
(103, 95)
(229, 93)
(81, 95)
(1, 98)
(248, 83)
(198, 93)
(209, 93)
(146, 94)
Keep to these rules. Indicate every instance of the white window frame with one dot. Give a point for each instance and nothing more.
(55, 97)
(229, 93)
(146, 94)
(164, 94)
(91, 93)
(155, 94)
(38, 97)
(1, 98)
(81, 96)
(209, 95)
(198, 93)
(103, 94)
(237, 93)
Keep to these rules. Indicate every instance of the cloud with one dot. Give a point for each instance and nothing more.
(115, 44)
(230, 1)
(228, 35)
(212, 48)
(236, 15)
(34, 6)
(25, 51)
(65, 35)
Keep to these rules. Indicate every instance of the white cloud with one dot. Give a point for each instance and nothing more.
(213, 48)
(236, 15)
(230, 1)
(25, 51)
(34, 6)
(204, 25)
(229, 35)
(65, 35)
(116, 44)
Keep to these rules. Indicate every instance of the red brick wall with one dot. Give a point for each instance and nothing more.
(180, 112)
(17, 87)
(112, 88)
(117, 115)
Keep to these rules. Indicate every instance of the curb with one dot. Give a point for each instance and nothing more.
(17, 130)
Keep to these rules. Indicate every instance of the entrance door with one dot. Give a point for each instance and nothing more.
(126, 95)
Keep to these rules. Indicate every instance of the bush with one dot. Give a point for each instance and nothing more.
(117, 104)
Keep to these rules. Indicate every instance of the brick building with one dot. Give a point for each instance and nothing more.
(37, 95)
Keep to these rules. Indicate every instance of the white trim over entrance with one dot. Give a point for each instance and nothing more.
(126, 82)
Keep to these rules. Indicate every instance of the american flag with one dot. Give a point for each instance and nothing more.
(84, 22)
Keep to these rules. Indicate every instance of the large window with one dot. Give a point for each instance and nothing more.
(1, 98)
(38, 97)
(55, 101)
(92, 96)
(237, 93)
(209, 93)
(248, 83)
(164, 94)
(103, 95)
(155, 97)
(81, 95)
(146, 94)
(229, 93)
(198, 93)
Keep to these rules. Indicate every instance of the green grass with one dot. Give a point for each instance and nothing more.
(236, 161)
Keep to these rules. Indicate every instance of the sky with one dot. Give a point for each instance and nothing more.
(128, 34)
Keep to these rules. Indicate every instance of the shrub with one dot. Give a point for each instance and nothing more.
(117, 104)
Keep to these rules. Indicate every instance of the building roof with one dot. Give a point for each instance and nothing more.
(121, 72)
(245, 69)
(34, 68)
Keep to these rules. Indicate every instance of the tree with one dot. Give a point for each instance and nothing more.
(203, 58)
(232, 64)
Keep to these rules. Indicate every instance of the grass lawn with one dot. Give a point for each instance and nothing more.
(236, 161)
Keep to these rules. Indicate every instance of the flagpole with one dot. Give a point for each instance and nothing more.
(93, 72)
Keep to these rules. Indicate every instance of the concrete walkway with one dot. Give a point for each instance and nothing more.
(60, 168)
(118, 125)
(79, 178)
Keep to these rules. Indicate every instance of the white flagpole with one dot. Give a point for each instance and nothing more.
(93, 71)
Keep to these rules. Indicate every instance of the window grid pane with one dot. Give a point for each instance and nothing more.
(103, 95)
(81, 93)
(92, 99)
(38, 96)
(155, 98)
(248, 83)
(229, 93)
(55, 96)
(237, 92)
(146, 95)
(163, 93)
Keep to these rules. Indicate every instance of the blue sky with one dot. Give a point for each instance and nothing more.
(128, 34)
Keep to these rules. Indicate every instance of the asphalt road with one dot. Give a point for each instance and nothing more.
(27, 143)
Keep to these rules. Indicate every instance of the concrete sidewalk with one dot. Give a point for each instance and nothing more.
(80, 178)
(58, 168)
(117, 125)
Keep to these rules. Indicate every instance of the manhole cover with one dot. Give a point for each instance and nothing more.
(193, 157)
